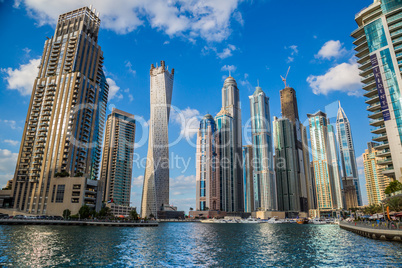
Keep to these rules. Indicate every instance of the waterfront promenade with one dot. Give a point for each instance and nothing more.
(382, 231)
(77, 223)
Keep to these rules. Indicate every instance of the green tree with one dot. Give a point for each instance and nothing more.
(191, 209)
(151, 216)
(66, 213)
(105, 212)
(134, 214)
(393, 187)
(78, 174)
(394, 203)
(84, 212)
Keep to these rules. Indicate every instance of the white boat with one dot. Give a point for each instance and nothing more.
(275, 220)
(319, 221)
(208, 221)
(250, 220)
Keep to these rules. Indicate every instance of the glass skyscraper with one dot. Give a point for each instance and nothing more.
(248, 178)
(64, 126)
(117, 158)
(265, 197)
(348, 158)
(207, 170)
(335, 167)
(327, 189)
(378, 48)
(229, 190)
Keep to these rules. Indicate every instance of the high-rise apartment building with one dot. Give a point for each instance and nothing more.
(248, 177)
(290, 111)
(229, 189)
(376, 182)
(63, 130)
(265, 197)
(207, 168)
(117, 158)
(231, 104)
(335, 166)
(155, 194)
(287, 179)
(326, 190)
(378, 49)
(348, 156)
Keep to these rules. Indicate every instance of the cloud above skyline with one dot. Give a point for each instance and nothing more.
(22, 78)
(331, 49)
(343, 77)
(207, 19)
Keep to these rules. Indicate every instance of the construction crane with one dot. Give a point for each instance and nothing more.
(284, 79)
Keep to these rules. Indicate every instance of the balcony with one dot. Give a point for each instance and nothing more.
(380, 137)
(373, 100)
(373, 107)
(384, 153)
(388, 171)
(383, 162)
(382, 146)
(369, 78)
(375, 115)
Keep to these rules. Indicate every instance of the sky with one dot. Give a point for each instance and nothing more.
(256, 41)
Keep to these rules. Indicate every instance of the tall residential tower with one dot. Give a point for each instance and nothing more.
(155, 193)
(117, 158)
(348, 157)
(265, 197)
(63, 129)
(378, 49)
(231, 104)
(207, 170)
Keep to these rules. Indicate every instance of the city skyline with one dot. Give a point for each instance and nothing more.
(273, 92)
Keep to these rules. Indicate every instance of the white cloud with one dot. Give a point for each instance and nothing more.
(230, 68)
(227, 52)
(331, 49)
(245, 83)
(294, 51)
(167, 42)
(189, 121)
(12, 142)
(130, 97)
(182, 183)
(343, 77)
(11, 123)
(208, 19)
(8, 162)
(113, 89)
(129, 67)
(22, 78)
(137, 181)
(359, 161)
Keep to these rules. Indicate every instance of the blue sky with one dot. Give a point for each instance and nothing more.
(202, 40)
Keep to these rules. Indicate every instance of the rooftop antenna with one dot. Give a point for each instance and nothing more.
(284, 79)
(229, 73)
(258, 83)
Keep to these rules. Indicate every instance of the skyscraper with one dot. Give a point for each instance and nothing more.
(326, 190)
(265, 197)
(155, 193)
(248, 185)
(335, 166)
(231, 104)
(287, 179)
(229, 190)
(290, 111)
(378, 48)
(63, 130)
(207, 170)
(117, 158)
(348, 157)
(376, 182)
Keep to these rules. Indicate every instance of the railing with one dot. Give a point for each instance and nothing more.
(382, 225)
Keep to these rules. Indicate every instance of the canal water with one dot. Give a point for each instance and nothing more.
(193, 244)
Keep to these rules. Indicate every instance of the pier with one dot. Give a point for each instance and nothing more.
(386, 231)
(77, 223)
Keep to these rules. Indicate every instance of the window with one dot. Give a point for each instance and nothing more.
(60, 193)
(76, 186)
(75, 200)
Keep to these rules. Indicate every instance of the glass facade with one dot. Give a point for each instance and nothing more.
(375, 34)
(389, 5)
